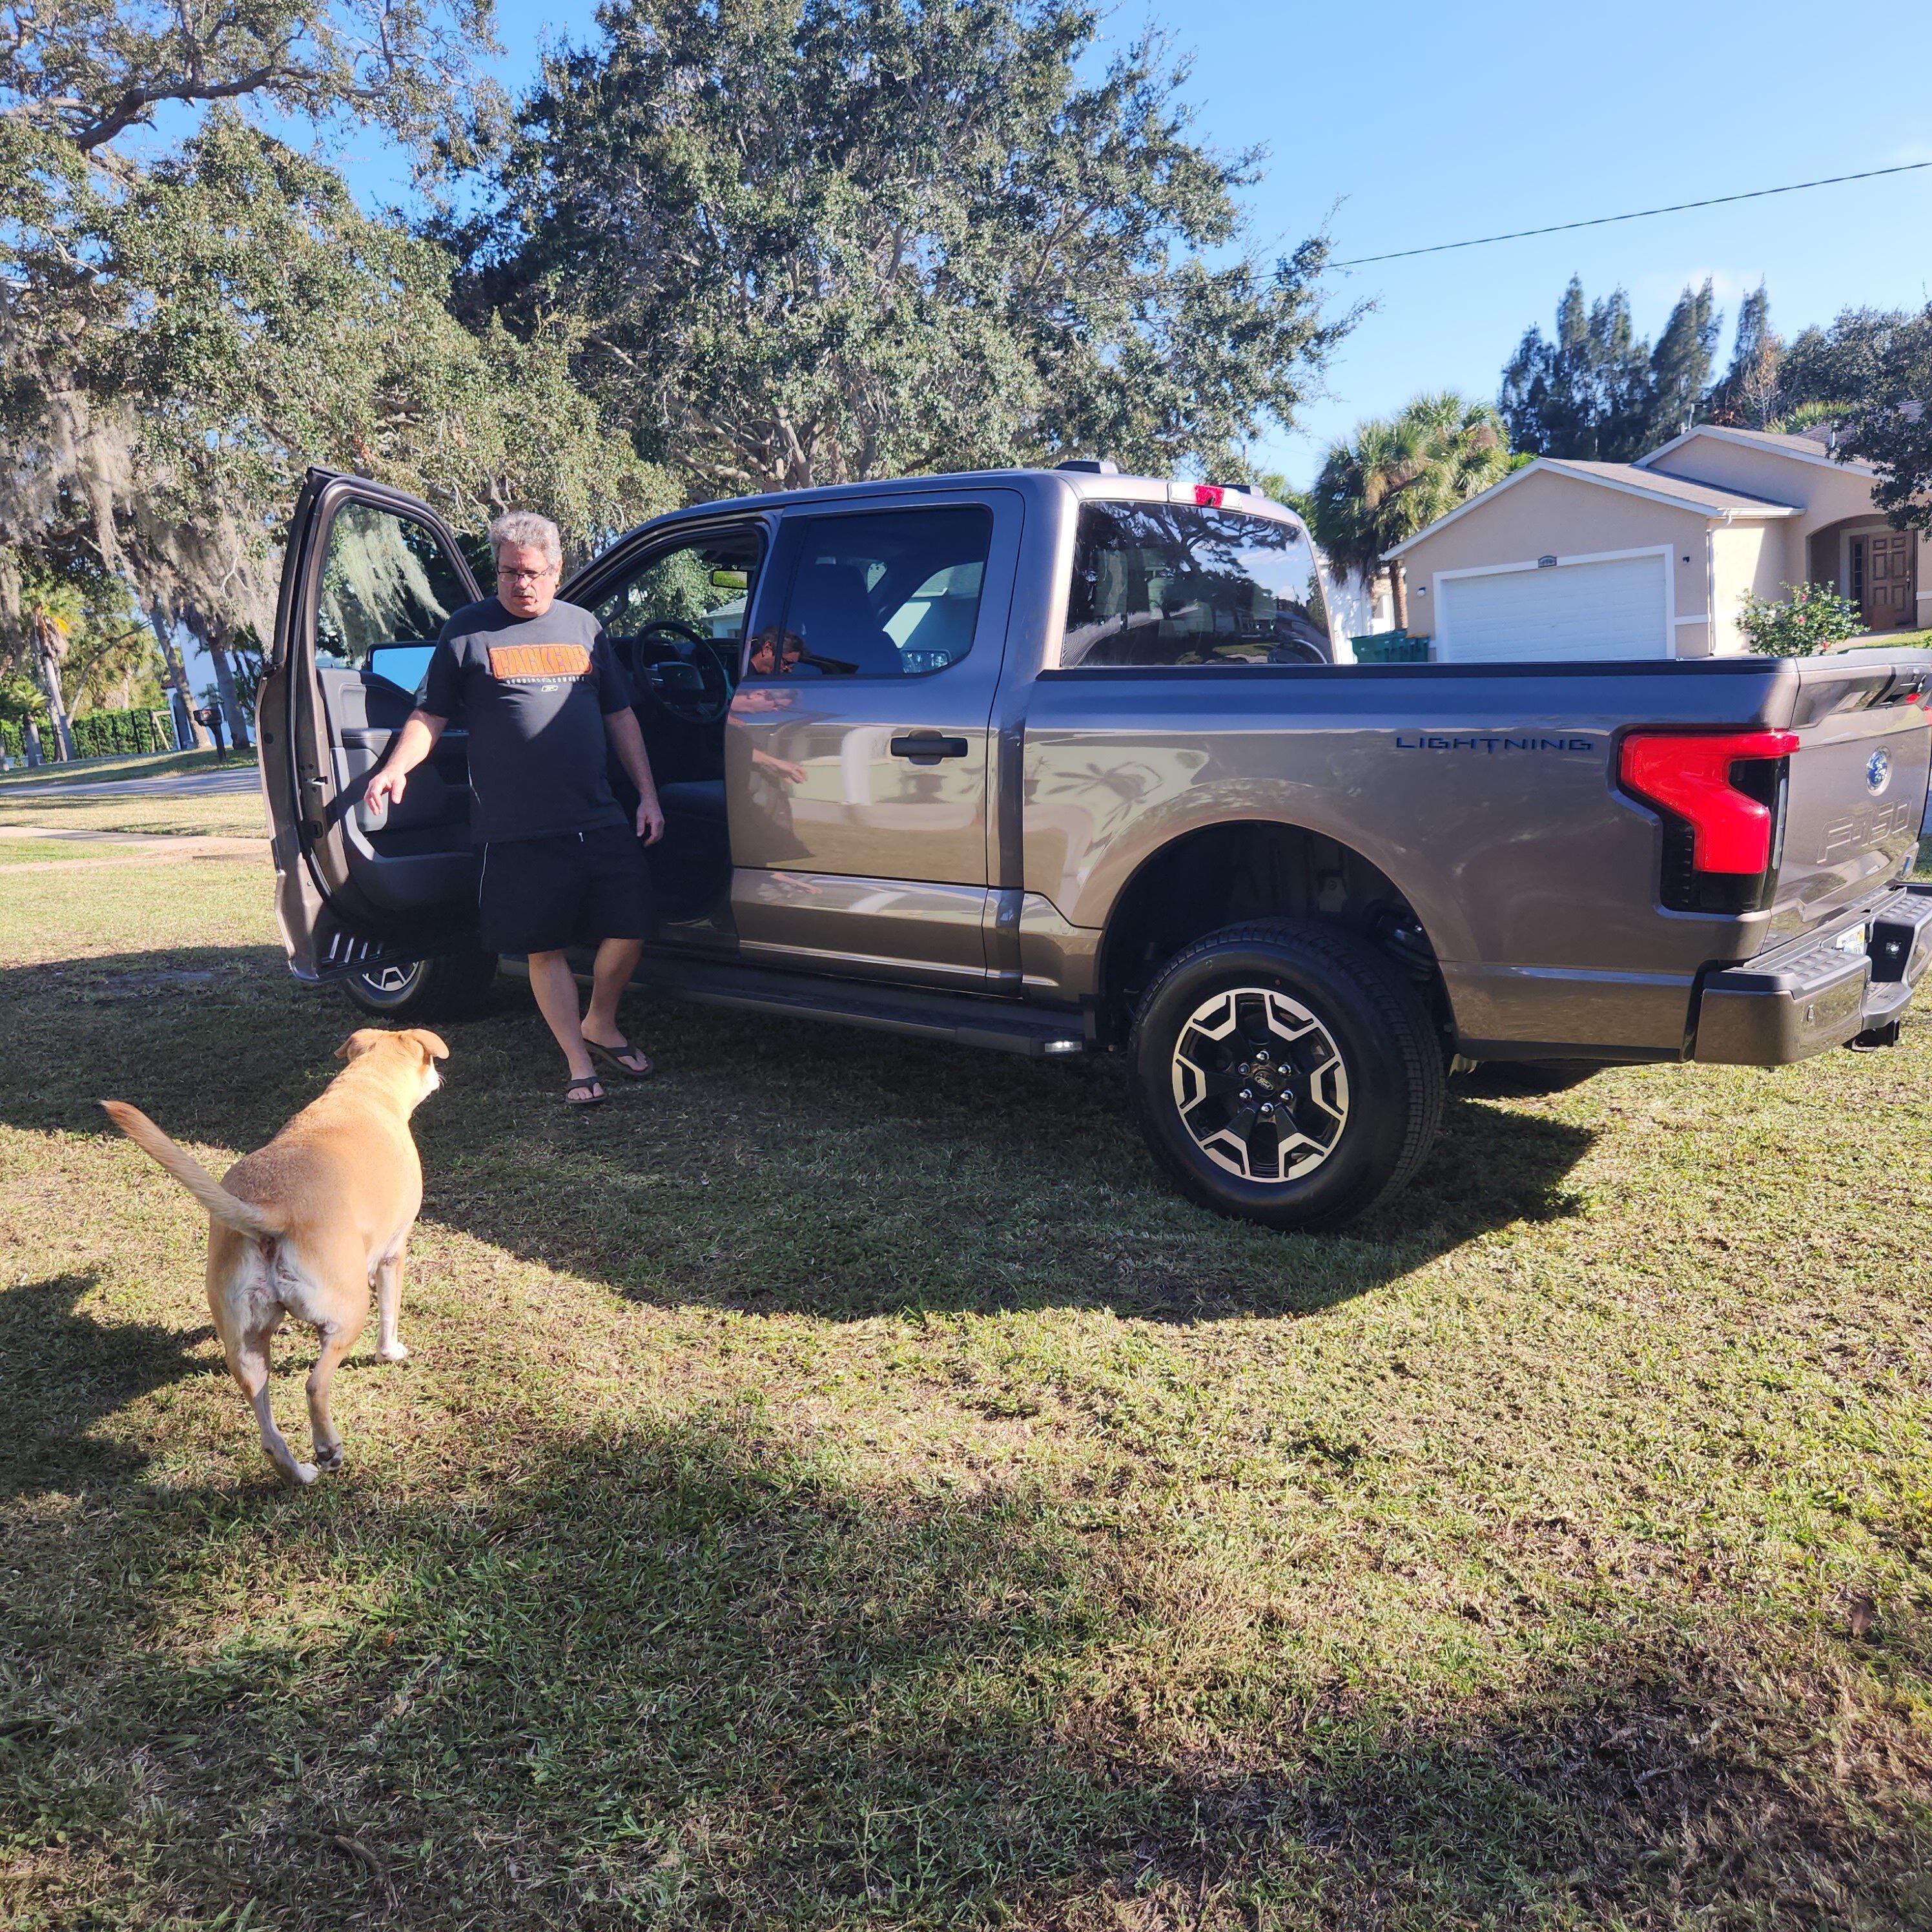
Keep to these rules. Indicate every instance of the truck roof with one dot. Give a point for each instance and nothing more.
(1082, 483)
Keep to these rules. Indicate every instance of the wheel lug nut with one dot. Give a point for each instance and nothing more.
(1262, 1057)
(1247, 1092)
(1244, 1069)
(1268, 1110)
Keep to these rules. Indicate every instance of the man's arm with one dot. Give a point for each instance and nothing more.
(628, 741)
(414, 742)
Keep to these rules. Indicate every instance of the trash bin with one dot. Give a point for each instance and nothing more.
(1391, 647)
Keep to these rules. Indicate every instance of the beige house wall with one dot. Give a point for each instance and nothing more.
(1825, 491)
(1744, 557)
(1550, 514)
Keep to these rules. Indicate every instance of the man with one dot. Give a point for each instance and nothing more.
(546, 701)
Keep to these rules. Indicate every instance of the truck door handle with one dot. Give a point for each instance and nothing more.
(928, 748)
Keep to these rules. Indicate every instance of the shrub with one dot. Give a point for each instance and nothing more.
(12, 739)
(1812, 619)
(108, 734)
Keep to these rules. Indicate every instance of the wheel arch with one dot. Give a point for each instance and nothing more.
(1233, 869)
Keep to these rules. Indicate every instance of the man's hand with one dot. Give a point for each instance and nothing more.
(385, 788)
(650, 821)
(414, 742)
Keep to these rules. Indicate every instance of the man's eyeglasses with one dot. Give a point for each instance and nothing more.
(527, 576)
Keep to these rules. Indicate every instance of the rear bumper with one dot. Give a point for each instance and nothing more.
(1819, 992)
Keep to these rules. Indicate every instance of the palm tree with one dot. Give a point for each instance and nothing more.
(1392, 478)
(52, 609)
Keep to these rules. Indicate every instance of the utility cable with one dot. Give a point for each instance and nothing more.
(1639, 214)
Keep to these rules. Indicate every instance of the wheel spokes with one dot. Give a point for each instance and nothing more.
(1260, 1084)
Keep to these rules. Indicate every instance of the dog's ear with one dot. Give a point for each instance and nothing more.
(432, 1047)
(359, 1043)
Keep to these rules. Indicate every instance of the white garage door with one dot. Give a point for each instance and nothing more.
(1618, 607)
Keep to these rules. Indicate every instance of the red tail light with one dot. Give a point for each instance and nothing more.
(1695, 780)
(1209, 496)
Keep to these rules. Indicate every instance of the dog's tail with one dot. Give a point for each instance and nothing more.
(264, 1223)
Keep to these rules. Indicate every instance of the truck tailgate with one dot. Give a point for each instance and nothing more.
(1858, 783)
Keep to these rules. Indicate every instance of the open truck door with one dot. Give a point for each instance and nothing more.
(384, 902)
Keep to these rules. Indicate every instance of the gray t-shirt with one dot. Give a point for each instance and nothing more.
(533, 693)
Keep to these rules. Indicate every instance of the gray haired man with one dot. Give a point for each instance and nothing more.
(546, 704)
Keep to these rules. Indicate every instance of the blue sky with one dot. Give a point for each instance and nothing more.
(1396, 127)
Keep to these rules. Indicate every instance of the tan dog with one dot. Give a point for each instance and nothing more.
(307, 1225)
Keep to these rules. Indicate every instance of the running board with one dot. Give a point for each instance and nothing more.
(952, 1017)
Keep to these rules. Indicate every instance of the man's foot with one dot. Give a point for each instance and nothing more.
(621, 1056)
(587, 1092)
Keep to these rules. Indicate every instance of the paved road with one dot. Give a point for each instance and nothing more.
(237, 777)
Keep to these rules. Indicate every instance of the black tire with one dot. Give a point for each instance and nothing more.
(1367, 1018)
(450, 986)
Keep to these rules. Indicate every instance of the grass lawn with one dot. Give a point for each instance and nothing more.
(106, 771)
(838, 1485)
(236, 814)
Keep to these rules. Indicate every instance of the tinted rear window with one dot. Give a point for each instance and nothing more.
(1166, 583)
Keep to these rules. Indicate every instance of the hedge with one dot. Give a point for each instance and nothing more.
(13, 740)
(107, 734)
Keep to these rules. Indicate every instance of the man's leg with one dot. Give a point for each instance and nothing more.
(616, 961)
(556, 989)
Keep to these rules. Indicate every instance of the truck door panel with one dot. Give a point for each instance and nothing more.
(367, 569)
(859, 743)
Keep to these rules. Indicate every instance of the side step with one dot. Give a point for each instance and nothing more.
(955, 1018)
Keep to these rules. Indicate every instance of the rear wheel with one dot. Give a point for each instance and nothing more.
(450, 986)
(1285, 1072)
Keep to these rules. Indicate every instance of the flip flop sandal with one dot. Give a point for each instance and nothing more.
(589, 1081)
(611, 1056)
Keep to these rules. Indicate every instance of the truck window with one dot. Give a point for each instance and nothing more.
(1166, 583)
(892, 593)
(385, 579)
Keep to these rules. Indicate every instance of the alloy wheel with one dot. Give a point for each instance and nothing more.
(1260, 1084)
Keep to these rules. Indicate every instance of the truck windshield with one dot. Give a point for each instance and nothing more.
(1166, 583)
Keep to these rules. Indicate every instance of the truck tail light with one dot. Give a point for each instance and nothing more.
(1722, 797)
(1209, 496)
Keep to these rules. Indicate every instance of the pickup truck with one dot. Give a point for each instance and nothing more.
(1060, 762)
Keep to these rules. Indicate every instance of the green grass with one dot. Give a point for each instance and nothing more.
(105, 771)
(238, 815)
(837, 1484)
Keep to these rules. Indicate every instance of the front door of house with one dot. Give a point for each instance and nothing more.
(1884, 581)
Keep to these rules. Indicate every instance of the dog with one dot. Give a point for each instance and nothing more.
(307, 1225)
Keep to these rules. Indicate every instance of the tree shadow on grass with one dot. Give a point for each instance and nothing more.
(63, 1372)
(771, 1166)
(693, 1675)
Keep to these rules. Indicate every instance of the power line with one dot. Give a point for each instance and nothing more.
(1640, 214)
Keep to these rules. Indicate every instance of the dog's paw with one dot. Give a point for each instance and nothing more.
(328, 1459)
(392, 1352)
(305, 1473)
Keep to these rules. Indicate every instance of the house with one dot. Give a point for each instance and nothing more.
(1654, 558)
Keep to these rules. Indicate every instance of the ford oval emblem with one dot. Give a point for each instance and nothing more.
(1878, 771)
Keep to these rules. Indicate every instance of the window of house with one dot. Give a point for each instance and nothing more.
(1168, 584)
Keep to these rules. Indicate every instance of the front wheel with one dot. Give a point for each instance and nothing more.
(450, 986)
(1285, 1072)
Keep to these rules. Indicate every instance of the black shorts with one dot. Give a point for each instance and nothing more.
(579, 889)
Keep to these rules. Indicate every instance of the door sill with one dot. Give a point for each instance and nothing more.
(958, 1018)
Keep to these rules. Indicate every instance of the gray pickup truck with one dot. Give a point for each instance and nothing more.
(1059, 762)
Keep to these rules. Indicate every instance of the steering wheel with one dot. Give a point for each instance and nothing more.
(694, 689)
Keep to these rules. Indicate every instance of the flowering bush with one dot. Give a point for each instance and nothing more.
(1811, 619)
